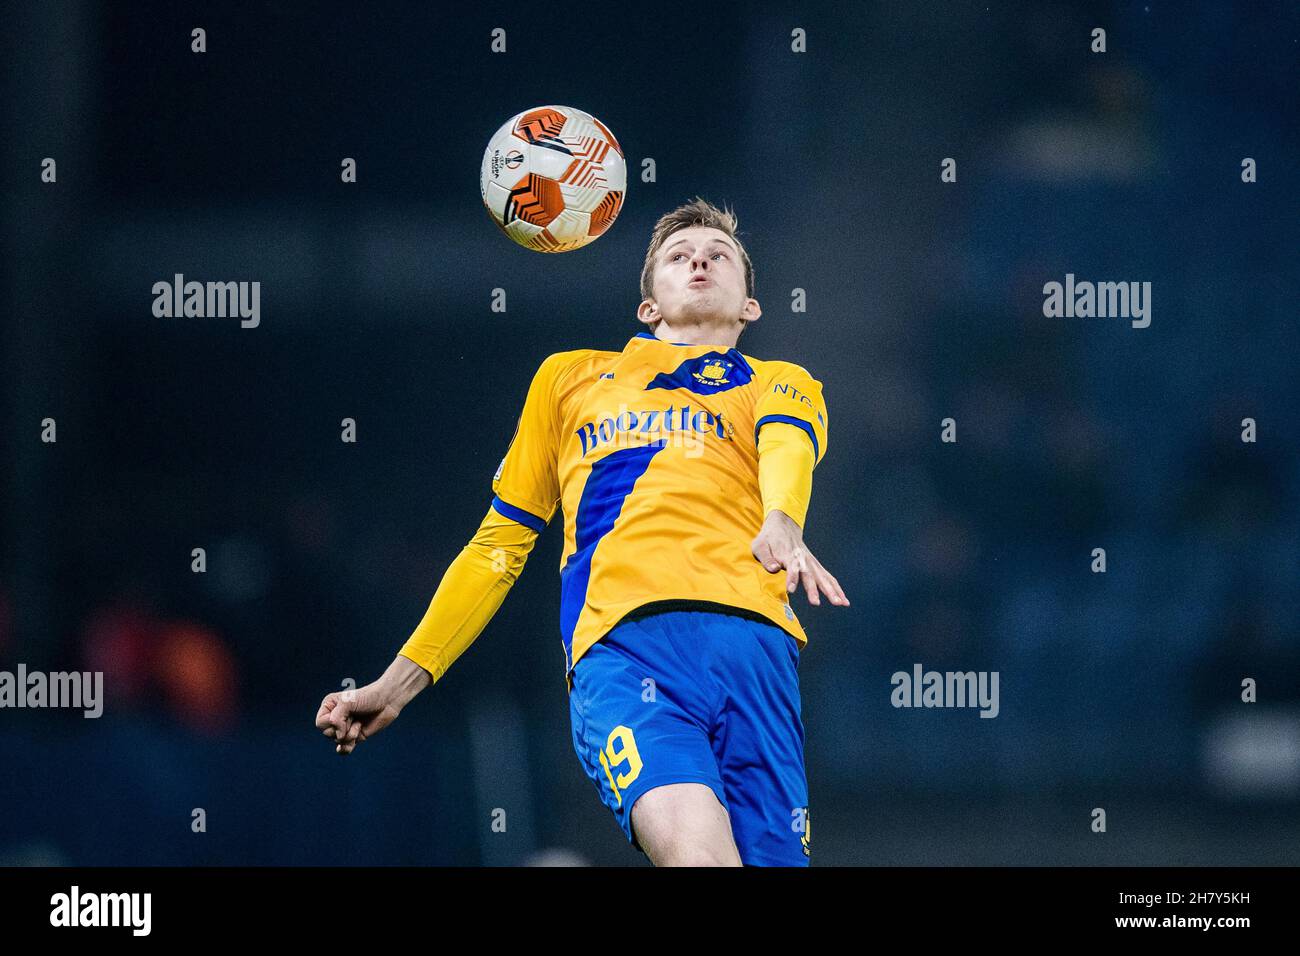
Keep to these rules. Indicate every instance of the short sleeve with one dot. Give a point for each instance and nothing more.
(526, 485)
(789, 394)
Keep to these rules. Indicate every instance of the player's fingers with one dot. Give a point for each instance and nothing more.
(323, 715)
(349, 743)
(796, 567)
(341, 747)
(802, 571)
(836, 588)
(839, 591)
(809, 579)
(767, 555)
(829, 586)
(341, 717)
(339, 732)
(825, 581)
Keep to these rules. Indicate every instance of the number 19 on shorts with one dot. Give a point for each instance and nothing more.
(620, 749)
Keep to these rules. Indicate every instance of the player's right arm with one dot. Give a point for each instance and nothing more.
(526, 494)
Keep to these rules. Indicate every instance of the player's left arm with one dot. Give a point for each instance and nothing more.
(791, 433)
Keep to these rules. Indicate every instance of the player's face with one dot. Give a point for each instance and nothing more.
(699, 274)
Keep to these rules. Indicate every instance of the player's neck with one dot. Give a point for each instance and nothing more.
(716, 335)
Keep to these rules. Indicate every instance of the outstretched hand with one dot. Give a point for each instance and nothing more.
(780, 545)
(350, 716)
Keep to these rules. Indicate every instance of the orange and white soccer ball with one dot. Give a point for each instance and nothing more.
(553, 178)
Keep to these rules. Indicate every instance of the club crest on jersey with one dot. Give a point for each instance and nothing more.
(707, 374)
(713, 372)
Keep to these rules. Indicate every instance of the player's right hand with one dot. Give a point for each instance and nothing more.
(350, 716)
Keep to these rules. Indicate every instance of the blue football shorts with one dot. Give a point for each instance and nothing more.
(697, 696)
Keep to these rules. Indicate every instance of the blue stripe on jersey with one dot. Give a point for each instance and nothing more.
(789, 420)
(610, 482)
(525, 518)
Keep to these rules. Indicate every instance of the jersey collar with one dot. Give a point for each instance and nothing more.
(655, 338)
(732, 353)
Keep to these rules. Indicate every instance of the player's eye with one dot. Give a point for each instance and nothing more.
(720, 254)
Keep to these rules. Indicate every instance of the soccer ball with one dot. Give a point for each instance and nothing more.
(553, 178)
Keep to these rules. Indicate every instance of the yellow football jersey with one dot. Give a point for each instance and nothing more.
(653, 453)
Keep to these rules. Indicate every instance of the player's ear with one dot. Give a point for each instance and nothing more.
(751, 311)
(648, 312)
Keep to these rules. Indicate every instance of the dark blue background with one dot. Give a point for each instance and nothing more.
(924, 301)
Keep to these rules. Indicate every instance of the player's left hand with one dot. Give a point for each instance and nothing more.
(780, 545)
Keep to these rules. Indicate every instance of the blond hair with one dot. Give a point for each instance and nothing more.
(698, 212)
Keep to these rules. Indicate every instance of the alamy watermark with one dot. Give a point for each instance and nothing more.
(922, 688)
(208, 300)
(1103, 300)
(129, 910)
(78, 690)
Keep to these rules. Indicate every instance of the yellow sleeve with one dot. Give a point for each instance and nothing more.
(788, 394)
(785, 467)
(527, 490)
(471, 591)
